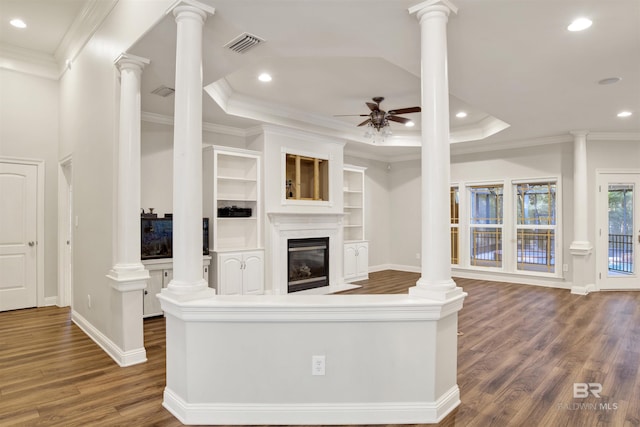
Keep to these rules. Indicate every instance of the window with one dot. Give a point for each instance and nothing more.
(536, 226)
(485, 225)
(454, 202)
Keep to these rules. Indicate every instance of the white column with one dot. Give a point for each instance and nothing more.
(127, 245)
(128, 275)
(580, 247)
(188, 278)
(436, 281)
(580, 239)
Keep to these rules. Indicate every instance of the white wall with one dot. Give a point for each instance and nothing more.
(405, 214)
(89, 94)
(29, 129)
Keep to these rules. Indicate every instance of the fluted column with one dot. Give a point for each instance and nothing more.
(187, 151)
(580, 247)
(435, 281)
(128, 275)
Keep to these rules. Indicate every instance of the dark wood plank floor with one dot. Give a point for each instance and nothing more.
(521, 350)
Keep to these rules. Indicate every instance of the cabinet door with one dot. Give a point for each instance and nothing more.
(253, 273)
(350, 261)
(230, 274)
(362, 252)
(151, 303)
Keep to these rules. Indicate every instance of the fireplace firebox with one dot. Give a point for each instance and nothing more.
(308, 263)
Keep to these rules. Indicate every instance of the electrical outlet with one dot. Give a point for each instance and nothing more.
(565, 267)
(417, 255)
(317, 365)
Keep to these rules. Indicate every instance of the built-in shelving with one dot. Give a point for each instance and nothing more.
(353, 202)
(232, 180)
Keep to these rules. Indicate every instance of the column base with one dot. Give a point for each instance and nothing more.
(126, 340)
(580, 248)
(439, 291)
(181, 291)
(128, 277)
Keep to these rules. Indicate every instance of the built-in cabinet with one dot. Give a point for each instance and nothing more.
(356, 261)
(239, 273)
(232, 199)
(356, 248)
(160, 274)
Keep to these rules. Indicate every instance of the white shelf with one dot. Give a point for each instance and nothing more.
(232, 178)
(353, 202)
(236, 179)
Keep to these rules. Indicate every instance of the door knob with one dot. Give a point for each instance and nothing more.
(32, 243)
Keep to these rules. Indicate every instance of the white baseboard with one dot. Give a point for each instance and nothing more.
(583, 290)
(48, 301)
(398, 267)
(311, 413)
(122, 358)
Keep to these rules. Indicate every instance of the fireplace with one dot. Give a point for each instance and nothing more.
(308, 263)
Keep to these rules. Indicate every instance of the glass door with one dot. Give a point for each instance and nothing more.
(618, 231)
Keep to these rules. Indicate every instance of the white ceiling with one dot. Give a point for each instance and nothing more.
(511, 62)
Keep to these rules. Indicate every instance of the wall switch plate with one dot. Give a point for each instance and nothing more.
(317, 365)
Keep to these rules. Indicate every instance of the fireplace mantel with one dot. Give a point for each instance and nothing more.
(298, 225)
(305, 217)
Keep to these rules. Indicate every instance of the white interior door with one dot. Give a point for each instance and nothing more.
(18, 232)
(618, 236)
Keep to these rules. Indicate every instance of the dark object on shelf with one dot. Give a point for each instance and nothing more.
(149, 214)
(157, 237)
(234, 212)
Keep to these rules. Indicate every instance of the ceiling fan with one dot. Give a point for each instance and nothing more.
(379, 119)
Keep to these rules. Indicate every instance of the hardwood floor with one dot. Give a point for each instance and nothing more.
(521, 350)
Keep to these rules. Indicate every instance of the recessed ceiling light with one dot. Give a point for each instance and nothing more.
(264, 77)
(579, 24)
(409, 124)
(609, 81)
(18, 23)
(461, 115)
(625, 114)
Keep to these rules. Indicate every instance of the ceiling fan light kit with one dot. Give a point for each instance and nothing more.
(377, 121)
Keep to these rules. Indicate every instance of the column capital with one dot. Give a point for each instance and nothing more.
(191, 5)
(433, 5)
(579, 133)
(126, 60)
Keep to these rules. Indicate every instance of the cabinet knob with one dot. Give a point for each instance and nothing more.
(146, 292)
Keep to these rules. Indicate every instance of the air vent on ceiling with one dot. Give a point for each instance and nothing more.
(244, 42)
(163, 91)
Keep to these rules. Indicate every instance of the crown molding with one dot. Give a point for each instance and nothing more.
(613, 136)
(81, 30)
(209, 127)
(28, 61)
(479, 146)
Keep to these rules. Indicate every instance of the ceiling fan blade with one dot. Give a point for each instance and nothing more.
(350, 115)
(405, 110)
(372, 106)
(402, 120)
(365, 122)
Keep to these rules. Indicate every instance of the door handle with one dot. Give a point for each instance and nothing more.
(32, 243)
